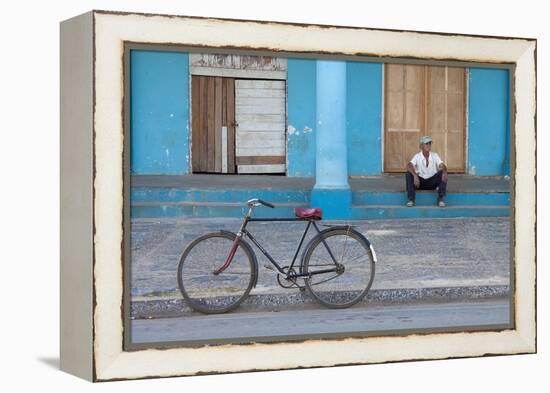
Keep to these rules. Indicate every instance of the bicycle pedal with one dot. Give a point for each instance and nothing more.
(269, 267)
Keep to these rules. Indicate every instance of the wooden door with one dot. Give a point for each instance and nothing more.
(404, 114)
(424, 100)
(261, 125)
(213, 124)
(445, 119)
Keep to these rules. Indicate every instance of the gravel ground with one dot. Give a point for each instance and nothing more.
(412, 253)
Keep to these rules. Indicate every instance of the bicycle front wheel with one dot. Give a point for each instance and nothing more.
(207, 292)
(348, 254)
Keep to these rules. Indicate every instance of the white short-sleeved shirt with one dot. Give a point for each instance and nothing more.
(423, 170)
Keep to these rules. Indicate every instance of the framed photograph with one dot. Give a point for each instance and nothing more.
(246, 195)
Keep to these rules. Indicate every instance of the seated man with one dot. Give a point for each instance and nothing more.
(426, 171)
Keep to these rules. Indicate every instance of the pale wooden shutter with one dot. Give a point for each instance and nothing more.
(424, 100)
(446, 114)
(404, 114)
(213, 126)
(261, 124)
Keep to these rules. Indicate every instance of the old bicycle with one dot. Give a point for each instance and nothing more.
(218, 270)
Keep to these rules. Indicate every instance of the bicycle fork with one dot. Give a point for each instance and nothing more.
(231, 255)
(235, 245)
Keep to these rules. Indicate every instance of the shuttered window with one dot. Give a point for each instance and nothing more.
(424, 100)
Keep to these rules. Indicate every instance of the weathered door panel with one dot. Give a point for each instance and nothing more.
(446, 119)
(404, 119)
(213, 125)
(228, 121)
(261, 117)
(424, 100)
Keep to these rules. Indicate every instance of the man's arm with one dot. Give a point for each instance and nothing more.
(443, 168)
(410, 168)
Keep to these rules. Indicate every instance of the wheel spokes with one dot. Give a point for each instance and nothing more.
(206, 291)
(347, 286)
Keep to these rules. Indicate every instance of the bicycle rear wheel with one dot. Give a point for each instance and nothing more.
(201, 288)
(351, 255)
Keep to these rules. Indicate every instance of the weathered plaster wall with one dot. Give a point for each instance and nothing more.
(364, 112)
(301, 117)
(488, 122)
(159, 112)
(160, 117)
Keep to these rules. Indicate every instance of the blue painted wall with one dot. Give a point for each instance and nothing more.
(159, 106)
(364, 111)
(364, 106)
(489, 125)
(160, 116)
(301, 117)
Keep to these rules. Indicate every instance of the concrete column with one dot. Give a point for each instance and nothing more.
(331, 191)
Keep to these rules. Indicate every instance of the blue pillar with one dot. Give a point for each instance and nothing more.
(331, 192)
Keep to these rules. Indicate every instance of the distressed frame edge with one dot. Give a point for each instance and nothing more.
(303, 24)
(528, 342)
(523, 156)
(76, 183)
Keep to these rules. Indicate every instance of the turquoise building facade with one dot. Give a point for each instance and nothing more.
(334, 116)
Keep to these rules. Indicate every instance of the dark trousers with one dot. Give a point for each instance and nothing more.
(426, 184)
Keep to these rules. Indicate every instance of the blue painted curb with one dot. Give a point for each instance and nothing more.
(153, 210)
(427, 198)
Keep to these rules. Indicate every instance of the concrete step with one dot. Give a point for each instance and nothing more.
(359, 212)
(359, 197)
(365, 212)
(160, 194)
(429, 198)
(209, 209)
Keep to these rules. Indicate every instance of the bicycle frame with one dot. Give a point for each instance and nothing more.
(244, 232)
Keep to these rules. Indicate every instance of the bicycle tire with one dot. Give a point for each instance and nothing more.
(348, 291)
(216, 294)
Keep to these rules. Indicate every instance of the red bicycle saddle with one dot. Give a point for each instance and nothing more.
(315, 213)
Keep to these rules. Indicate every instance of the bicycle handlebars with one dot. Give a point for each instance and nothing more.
(256, 202)
(266, 203)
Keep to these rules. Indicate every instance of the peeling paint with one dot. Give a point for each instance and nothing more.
(307, 129)
(291, 129)
(237, 61)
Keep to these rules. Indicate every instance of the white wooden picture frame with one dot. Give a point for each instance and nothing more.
(93, 173)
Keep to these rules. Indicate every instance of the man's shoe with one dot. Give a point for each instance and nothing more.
(441, 203)
(410, 203)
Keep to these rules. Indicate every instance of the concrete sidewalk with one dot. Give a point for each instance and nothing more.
(418, 260)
